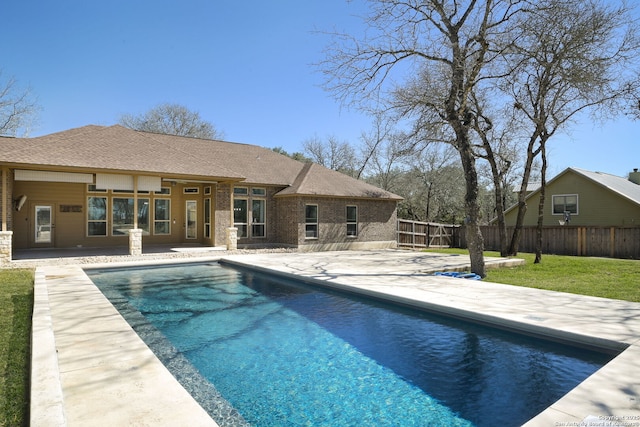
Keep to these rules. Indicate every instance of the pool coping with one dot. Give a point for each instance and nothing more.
(96, 370)
(613, 391)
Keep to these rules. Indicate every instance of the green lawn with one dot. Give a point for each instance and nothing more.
(600, 277)
(16, 306)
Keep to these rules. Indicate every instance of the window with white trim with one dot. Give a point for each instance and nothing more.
(249, 212)
(258, 217)
(565, 203)
(122, 215)
(162, 216)
(311, 221)
(97, 216)
(240, 216)
(352, 221)
(207, 217)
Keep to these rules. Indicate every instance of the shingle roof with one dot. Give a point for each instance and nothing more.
(115, 148)
(622, 186)
(315, 180)
(257, 165)
(112, 148)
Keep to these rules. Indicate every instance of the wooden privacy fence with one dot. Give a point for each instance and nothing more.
(613, 242)
(416, 234)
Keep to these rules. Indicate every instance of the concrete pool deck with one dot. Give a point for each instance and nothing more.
(90, 368)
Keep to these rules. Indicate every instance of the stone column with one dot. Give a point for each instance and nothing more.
(6, 241)
(135, 241)
(232, 239)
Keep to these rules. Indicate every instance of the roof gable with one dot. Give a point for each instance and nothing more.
(316, 180)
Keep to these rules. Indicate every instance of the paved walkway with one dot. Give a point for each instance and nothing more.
(91, 369)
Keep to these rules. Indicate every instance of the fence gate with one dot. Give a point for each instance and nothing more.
(416, 234)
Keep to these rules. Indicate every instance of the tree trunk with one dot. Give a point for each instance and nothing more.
(522, 194)
(498, 194)
(475, 241)
(543, 185)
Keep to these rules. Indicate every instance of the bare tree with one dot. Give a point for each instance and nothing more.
(18, 108)
(499, 144)
(385, 159)
(172, 119)
(380, 138)
(332, 154)
(440, 185)
(295, 155)
(570, 56)
(448, 45)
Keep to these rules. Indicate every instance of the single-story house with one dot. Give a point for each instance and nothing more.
(91, 186)
(583, 198)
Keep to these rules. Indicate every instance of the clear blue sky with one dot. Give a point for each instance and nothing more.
(245, 66)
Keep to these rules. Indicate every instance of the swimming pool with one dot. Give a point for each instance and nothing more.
(285, 353)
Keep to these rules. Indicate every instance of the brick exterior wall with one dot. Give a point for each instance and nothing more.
(222, 213)
(290, 213)
(377, 222)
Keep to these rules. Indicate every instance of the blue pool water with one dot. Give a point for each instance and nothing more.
(283, 353)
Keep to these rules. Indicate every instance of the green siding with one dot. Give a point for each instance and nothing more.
(597, 205)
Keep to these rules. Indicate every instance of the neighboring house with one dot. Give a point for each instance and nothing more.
(88, 187)
(583, 198)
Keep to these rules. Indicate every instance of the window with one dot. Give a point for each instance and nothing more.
(97, 216)
(565, 203)
(191, 213)
(207, 217)
(164, 191)
(240, 215)
(311, 221)
(122, 215)
(352, 221)
(258, 218)
(143, 215)
(249, 208)
(162, 216)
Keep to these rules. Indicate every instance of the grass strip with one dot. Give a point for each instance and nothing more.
(16, 308)
(598, 277)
